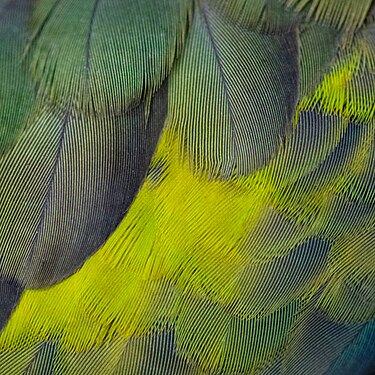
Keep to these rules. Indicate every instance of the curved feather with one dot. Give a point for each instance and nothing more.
(235, 131)
(70, 164)
(16, 89)
(108, 53)
(243, 244)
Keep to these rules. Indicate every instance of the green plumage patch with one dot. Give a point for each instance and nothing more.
(186, 187)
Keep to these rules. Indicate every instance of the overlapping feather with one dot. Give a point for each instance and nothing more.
(187, 187)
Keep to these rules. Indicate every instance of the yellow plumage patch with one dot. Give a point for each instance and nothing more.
(175, 235)
(345, 91)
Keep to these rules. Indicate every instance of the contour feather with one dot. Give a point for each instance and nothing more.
(243, 244)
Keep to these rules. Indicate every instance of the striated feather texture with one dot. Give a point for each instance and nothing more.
(187, 187)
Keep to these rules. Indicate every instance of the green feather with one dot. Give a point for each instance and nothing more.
(187, 187)
(16, 90)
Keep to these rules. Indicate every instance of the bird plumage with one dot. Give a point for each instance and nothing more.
(187, 187)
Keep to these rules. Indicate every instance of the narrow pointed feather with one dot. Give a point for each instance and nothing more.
(314, 138)
(253, 345)
(273, 235)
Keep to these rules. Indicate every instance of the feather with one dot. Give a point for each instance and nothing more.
(340, 13)
(319, 45)
(16, 89)
(71, 163)
(359, 356)
(311, 350)
(126, 46)
(234, 130)
(187, 187)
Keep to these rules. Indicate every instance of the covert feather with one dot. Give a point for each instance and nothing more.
(187, 187)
